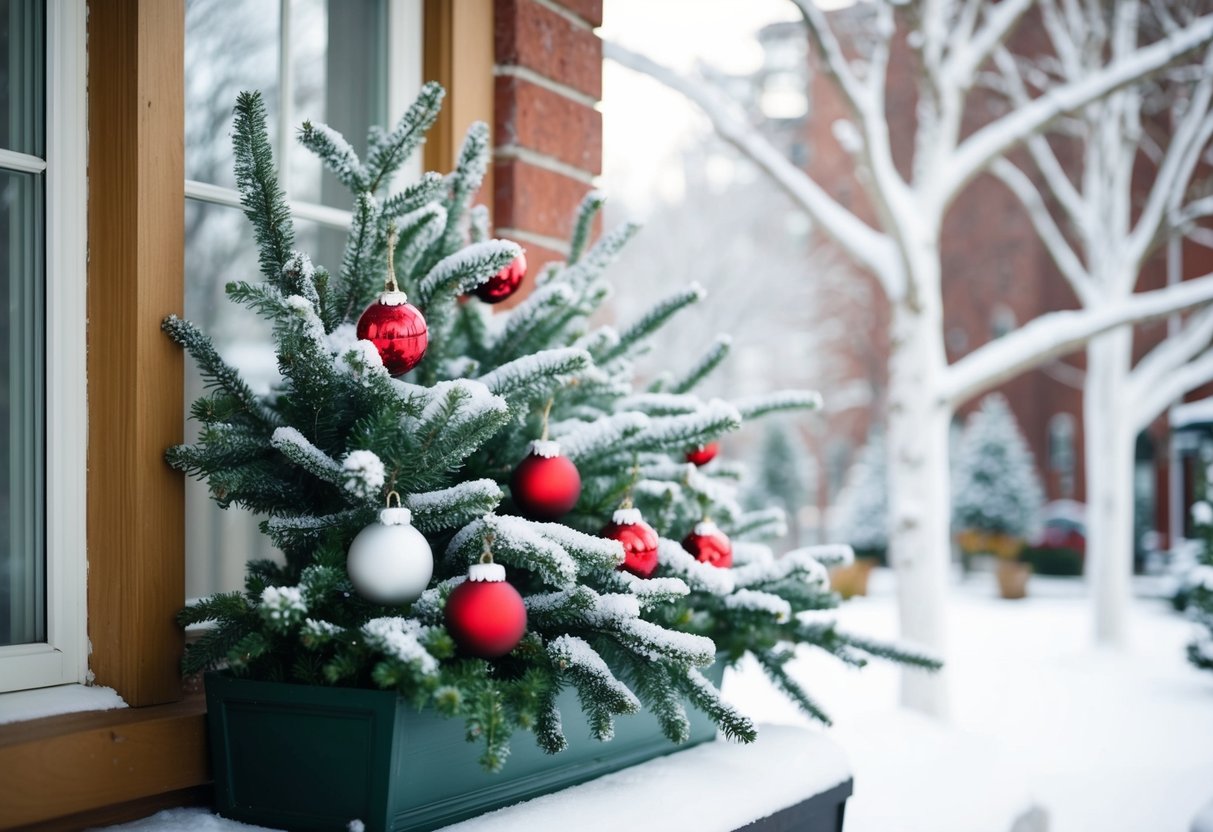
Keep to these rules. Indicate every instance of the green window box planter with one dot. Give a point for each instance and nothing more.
(314, 758)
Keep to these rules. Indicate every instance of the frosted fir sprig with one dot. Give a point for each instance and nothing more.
(700, 370)
(363, 474)
(400, 639)
(282, 607)
(467, 268)
(453, 507)
(602, 695)
(299, 449)
(655, 318)
(752, 407)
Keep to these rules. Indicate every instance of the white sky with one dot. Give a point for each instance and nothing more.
(644, 124)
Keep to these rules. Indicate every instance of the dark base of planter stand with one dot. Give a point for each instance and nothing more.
(822, 812)
(314, 758)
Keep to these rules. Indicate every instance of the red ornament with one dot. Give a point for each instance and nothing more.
(639, 541)
(397, 329)
(484, 614)
(704, 453)
(545, 485)
(503, 284)
(709, 545)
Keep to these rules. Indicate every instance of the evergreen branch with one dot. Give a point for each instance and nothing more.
(263, 200)
(419, 231)
(215, 372)
(335, 153)
(295, 446)
(465, 181)
(651, 321)
(389, 151)
(534, 376)
(466, 269)
(453, 507)
(602, 696)
(716, 353)
(704, 696)
(590, 205)
(419, 194)
(360, 280)
(774, 662)
(781, 400)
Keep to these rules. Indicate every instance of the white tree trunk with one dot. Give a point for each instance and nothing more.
(919, 496)
(1109, 449)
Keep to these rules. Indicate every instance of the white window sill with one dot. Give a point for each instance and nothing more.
(21, 705)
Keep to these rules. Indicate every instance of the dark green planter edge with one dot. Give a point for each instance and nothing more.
(314, 757)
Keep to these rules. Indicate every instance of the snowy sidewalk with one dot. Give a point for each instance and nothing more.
(1107, 740)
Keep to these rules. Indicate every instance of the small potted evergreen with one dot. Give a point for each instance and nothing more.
(996, 493)
(861, 517)
(487, 528)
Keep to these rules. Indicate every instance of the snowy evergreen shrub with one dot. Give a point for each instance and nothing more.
(995, 488)
(861, 511)
(317, 456)
(786, 474)
(1198, 583)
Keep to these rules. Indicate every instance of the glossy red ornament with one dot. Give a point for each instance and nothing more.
(503, 284)
(639, 541)
(398, 331)
(484, 614)
(709, 545)
(704, 453)
(545, 485)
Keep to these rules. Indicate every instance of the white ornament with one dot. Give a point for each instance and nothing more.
(390, 562)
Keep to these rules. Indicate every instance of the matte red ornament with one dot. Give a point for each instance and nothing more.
(398, 331)
(704, 453)
(503, 284)
(639, 542)
(545, 485)
(484, 614)
(709, 545)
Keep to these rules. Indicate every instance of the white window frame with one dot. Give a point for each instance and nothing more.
(63, 657)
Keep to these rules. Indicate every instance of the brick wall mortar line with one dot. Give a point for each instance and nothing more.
(523, 236)
(542, 160)
(567, 14)
(524, 74)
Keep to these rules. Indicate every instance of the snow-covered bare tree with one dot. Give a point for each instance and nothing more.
(952, 41)
(1100, 226)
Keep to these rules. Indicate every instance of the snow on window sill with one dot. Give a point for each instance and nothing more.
(21, 705)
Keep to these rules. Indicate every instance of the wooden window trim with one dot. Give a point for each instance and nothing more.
(459, 55)
(82, 769)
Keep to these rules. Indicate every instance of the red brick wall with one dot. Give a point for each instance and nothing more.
(547, 132)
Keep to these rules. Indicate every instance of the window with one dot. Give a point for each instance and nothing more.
(1061, 451)
(42, 400)
(368, 54)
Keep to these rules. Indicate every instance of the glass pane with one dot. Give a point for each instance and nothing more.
(337, 62)
(338, 75)
(219, 248)
(22, 68)
(230, 46)
(22, 489)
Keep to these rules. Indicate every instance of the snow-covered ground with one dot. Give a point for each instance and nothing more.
(1100, 739)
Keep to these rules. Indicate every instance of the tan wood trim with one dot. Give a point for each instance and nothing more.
(458, 53)
(136, 203)
(98, 763)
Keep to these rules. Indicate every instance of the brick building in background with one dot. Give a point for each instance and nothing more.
(996, 276)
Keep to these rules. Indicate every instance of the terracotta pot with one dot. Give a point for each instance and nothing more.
(1013, 578)
(852, 580)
